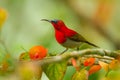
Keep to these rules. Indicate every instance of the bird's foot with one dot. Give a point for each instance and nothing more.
(63, 51)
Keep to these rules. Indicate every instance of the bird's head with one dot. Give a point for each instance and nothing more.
(58, 24)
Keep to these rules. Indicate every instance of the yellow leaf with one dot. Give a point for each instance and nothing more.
(114, 64)
(5, 65)
(104, 65)
(5, 62)
(80, 75)
(106, 78)
(3, 16)
(29, 71)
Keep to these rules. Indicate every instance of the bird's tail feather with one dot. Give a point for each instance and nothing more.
(92, 44)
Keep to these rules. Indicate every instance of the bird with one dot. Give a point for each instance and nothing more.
(67, 37)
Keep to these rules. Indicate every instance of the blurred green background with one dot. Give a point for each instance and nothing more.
(96, 20)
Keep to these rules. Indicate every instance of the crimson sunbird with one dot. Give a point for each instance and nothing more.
(67, 37)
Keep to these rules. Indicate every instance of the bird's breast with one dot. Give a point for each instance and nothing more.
(60, 37)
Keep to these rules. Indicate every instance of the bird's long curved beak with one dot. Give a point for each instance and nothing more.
(45, 20)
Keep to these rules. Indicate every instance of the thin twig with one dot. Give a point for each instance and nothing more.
(4, 45)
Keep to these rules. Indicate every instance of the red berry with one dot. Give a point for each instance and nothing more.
(37, 52)
(89, 62)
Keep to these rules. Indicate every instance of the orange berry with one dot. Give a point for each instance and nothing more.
(94, 69)
(89, 62)
(37, 52)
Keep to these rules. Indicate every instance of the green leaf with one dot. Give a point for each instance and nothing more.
(24, 56)
(114, 75)
(55, 71)
(80, 75)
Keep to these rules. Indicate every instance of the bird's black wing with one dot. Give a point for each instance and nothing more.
(77, 38)
(80, 38)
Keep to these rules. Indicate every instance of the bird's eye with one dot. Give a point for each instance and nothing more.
(54, 21)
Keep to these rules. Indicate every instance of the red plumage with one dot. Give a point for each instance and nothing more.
(60, 37)
(62, 32)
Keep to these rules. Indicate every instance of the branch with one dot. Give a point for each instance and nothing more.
(82, 53)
